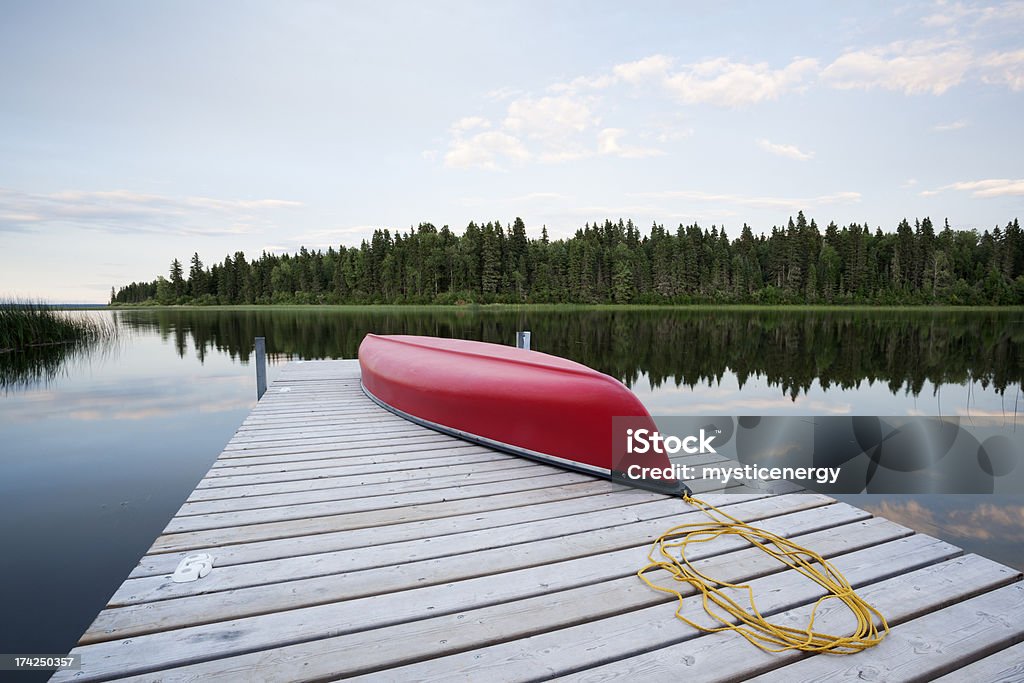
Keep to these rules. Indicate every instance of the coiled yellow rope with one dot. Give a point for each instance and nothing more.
(749, 623)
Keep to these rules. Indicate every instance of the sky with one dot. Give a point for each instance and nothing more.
(133, 133)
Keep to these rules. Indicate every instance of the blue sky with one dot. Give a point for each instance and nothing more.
(133, 133)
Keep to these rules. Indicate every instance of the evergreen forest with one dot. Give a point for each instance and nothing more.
(615, 263)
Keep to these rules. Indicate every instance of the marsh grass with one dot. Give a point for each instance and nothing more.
(36, 341)
(30, 324)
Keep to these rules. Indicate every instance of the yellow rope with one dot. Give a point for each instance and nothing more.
(749, 623)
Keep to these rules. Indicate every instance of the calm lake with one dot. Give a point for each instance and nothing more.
(100, 449)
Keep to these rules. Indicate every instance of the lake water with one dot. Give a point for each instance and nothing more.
(99, 450)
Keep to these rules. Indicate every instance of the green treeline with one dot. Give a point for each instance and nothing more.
(614, 263)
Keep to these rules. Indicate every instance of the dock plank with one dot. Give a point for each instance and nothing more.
(607, 549)
(555, 616)
(191, 644)
(729, 657)
(340, 530)
(397, 551)
(1004, 666)
(160, 563)
(651, 624)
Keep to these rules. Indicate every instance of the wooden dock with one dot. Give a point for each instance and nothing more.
(351, 543)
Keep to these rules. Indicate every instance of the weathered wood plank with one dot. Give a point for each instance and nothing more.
(931, 645)
(399, 551)
(154, 564)
(382, 482)
(728, 657)
(374, 518)
(349, 505)
(292, 394)
(172, 542)
(267, 417)
(349, 470)
(1005, 666)
(419, 445)
(358, 488)
(315, 445)
(349, 416)
(336, 431)
(604, 547)
(238, 447)
(412, 456)
(565, 616)
(302, 398)
(191, 644)
(580, 533)
(596, 637)
(223, 499)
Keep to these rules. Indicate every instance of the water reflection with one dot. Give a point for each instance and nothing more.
(798, 352)
(41, 365)
(992, 526)
(94, 462)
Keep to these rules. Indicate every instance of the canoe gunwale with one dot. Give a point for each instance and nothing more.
(491, 443)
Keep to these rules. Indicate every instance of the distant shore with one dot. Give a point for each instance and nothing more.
(553, 307)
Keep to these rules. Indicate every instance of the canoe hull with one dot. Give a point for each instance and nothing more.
(524, 402)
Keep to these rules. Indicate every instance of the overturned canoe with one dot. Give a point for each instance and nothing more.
(528, 403)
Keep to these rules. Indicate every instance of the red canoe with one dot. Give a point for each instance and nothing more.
(524, 402)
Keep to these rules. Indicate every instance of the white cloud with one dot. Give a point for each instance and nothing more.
(947, 15)
(911, 182)
(547, 129)
(601, 211)
(544, 196)
(485, 150)
(788, 151)
(549, 118)
(1004, 68)
(124, 211)
(503, 93)
(954, 125)
(608, 143)
(330, 237)
(515, 201)
(719, 81)
(731, 84)
(914, 67)
(654, 68)
(958, 14)
(566, 153)
(756, 202)
(567, 122)
(583, 83)
(992, 187)
(674, 134)
(468, 123)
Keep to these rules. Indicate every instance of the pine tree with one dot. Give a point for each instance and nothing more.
(177, 280)
(197, 285)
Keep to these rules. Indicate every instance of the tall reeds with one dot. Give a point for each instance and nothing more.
(37, 341)
(30, 324)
